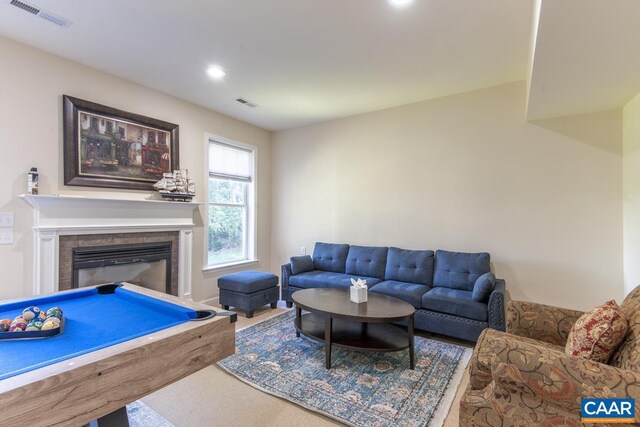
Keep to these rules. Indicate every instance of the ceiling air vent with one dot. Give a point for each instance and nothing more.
(247, 103)
(47, 16)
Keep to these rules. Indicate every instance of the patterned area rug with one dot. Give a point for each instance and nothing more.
(140, 415)
(361, 389)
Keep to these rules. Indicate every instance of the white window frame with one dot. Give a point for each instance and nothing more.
(252, 231)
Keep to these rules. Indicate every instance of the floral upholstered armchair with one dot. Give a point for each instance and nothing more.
(524, 377)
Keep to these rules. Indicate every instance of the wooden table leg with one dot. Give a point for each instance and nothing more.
(412, 362)
(298, 319)
(328, 324)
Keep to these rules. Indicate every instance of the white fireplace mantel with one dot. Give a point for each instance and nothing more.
(55, 216)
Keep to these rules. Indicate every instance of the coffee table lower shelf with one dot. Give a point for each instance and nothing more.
(361, 336)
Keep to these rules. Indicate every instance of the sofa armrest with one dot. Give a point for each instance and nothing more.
(285, 274)
(540, 321)
(555, 377)
(497, 306)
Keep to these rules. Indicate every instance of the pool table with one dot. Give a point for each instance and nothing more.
(119, 343)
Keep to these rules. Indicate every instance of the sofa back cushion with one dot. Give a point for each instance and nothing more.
(330, 257)
(627, 355)
(459, 270)
(405, 265)
(367, 261)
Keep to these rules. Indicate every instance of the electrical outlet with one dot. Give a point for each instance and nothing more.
(6, 236)
(6, 219)
(303, 250)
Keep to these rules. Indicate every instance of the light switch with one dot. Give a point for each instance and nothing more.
(6, 236)
(6, 219)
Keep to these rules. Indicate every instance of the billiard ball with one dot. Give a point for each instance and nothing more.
(4, 327)
(34, 325)
(56, 310)
(50, 324)
(53, 319)
(42, 316)
(19, 319)
(17, 327)
(7, 321)
(30, 313)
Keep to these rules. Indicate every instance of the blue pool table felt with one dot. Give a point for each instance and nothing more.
(92, 321)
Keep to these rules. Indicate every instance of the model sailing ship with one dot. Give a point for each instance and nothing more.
(176, 186)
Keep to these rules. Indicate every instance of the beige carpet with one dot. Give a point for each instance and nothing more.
(212, 397)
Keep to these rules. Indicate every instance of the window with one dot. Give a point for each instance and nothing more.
(231, 203)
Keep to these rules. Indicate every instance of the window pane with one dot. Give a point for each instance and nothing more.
(227, 238)
(228, 160)
(227, 191)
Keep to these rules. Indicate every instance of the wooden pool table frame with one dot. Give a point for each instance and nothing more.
(87, 387)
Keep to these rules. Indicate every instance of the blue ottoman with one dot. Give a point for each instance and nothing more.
(248, 290)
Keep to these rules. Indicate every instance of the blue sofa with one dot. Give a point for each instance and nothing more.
(454, 293)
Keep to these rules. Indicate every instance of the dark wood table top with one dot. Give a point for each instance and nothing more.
(378, 308)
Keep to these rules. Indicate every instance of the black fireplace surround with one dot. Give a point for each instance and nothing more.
(119, 255)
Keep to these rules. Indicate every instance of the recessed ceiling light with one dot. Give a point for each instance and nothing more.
(215, 72)
(400, 3)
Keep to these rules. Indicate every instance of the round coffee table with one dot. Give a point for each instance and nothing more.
(335, 320)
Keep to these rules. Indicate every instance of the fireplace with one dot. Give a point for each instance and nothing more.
(143, 264)
(64, 223)
(146, 259)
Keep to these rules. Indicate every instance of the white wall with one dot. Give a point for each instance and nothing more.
(32, 83)
(463, 173)
(631, 193)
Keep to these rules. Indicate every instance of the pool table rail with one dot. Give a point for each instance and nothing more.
(86, 387)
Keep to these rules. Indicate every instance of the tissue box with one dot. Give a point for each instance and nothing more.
(358, 294)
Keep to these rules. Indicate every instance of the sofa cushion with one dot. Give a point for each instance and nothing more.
(301, 264)
(454, 302)
(326, 279)
(459, 270)
(409, 292)
(597, 333)
(406, 265)
(483, 287)
(366, 261)
(330, 257)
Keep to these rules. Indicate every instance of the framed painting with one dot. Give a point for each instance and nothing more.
(107, 147)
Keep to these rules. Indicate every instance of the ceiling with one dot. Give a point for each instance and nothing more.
(586, 59)
(307, 61)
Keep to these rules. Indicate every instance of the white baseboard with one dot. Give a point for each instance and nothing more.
(211, 301)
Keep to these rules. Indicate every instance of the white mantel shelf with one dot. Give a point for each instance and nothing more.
(37, 200)
(57, 215)
(77, 212)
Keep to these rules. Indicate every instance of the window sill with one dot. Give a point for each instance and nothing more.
(230, 266)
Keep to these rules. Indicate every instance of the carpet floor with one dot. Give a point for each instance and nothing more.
(213, 397)
(362, 388)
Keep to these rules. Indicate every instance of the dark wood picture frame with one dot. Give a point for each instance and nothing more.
(73, 169)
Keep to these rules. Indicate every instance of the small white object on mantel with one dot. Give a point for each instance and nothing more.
(358, 290)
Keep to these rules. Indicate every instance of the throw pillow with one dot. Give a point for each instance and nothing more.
(301, 264)
(597, 333)
(483, 287)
